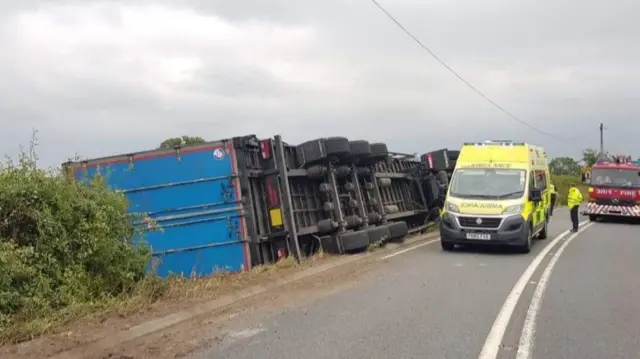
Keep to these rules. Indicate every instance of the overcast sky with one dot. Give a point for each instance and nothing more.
(108, 77)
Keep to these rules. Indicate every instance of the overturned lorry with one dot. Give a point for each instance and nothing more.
(235, 203)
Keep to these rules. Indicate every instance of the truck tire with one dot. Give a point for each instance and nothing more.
(354, 241)
(379, 150)
(593, 218)
(312, 152)
(360, 148)
(398, 230)
(337, 146)
(329, 244)
(378, 234)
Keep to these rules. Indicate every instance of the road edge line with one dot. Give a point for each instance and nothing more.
(402, 251)
(525, 345)
(492, 343)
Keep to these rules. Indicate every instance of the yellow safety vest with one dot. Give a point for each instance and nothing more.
(553, 189)
(574, 198)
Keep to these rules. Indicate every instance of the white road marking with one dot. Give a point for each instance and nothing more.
(496, 334)
(409, 249)
(525, 346)
(459, 265)
(482, 264)
(233, 336)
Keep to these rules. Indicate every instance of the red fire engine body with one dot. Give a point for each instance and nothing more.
(615, 189)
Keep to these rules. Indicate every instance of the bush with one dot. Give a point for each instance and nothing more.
(63, 244)
(563, 183)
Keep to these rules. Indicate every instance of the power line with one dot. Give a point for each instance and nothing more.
(459, 77)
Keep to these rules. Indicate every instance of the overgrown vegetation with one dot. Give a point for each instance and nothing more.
(181, 141)
(65, 247)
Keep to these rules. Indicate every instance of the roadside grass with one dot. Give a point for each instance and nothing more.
(149, 291)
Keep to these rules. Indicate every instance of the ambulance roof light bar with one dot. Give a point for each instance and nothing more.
(495, 143)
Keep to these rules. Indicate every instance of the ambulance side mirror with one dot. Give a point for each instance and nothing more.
(535, 195)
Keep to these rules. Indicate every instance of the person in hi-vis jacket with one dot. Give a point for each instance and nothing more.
(554, 198)
(574, 198)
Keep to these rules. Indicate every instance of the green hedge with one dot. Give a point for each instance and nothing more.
(63, 244)
(562, 184)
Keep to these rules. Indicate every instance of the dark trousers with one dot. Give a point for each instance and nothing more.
(574, 217)
(553, 203)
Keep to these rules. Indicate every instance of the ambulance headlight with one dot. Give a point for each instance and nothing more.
(450, 207)
(518, 208)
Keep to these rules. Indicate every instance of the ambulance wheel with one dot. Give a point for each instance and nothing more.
(592, 218)
(543, 233)
(526, 247)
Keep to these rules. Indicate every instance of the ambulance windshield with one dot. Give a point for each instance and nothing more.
(488, 183)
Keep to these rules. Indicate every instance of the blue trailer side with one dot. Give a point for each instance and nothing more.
(192, 196)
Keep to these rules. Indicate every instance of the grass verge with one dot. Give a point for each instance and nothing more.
(147, 293)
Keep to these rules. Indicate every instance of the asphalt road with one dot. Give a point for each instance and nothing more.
(425, 303)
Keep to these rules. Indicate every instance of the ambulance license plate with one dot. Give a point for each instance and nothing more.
(479, 236)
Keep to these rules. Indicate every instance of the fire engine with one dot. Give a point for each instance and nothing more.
(614, 188)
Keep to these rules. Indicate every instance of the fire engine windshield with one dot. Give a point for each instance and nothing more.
(615, 177)
(488, 183)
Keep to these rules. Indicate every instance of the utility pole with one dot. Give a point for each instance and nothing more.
(601, 139)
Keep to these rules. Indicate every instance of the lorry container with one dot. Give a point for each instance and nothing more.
(192, 199)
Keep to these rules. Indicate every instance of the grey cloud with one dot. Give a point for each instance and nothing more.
(234, 81)
(398, 95)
